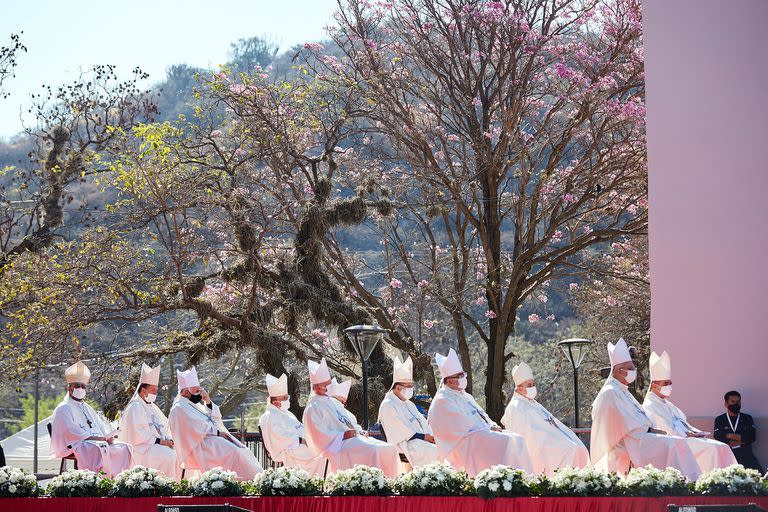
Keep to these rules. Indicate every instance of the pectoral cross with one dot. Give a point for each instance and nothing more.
(551, 421)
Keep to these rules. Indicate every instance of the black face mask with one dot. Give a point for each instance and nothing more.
(735, 408)
(195, 399)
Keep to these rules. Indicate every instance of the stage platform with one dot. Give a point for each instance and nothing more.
(377, 504)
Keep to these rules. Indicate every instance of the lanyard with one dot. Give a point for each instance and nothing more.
(415, 416)
(90, 423)
(208, 416)
(733, 427)
(478, 411)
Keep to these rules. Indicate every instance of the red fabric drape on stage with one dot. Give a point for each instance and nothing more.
(377, 504)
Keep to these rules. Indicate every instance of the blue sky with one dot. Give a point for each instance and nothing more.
(65, 37)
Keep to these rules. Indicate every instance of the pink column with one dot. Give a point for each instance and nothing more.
(707, 98)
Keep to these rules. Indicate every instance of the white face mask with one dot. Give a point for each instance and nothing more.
(407, 393)
(463, 383)
(151, 397)
(531, 392)
(78, 393)
(631, 376)
(666, 390)
(285, 404)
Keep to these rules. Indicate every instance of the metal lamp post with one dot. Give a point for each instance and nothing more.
(575, 349)
(364, 339)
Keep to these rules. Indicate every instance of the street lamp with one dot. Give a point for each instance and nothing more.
(364, 339)
(575, 349)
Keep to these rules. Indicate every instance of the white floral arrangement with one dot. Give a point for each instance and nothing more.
(651, 481)
(79, 483)
(735, 479)
(285, 481)
(586, 481)
(434, 479)
(216, 482)
(358, 481)
(141, 481)
(17, 483)
(502, 481)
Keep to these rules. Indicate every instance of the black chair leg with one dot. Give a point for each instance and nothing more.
(61, 466)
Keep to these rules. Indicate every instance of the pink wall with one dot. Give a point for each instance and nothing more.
(707, 98)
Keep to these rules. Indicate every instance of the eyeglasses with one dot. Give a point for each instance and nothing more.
(78, 385)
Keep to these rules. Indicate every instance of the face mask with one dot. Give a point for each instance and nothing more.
(150, 398)
(666, 390)
(463, 383)
(631, 376)
(78, 393)
(531, 392)
(195, 399)
(285, 404)
(735, 408)
(407, 393)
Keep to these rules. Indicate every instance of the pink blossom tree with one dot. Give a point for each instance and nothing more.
(511, 134)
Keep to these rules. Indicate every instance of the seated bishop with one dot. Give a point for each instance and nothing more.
(465, 435)
(331, 433)
(145, 427)
(202, 441)
(77, 429)
(283, 434)
(710, 454)
(340, 392)
(402, 422)
(622, 433)
(551, 444)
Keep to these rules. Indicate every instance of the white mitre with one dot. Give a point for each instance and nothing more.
(187, 379)
(618, 353)
(448, 365)
(661, 366)
(149, 375)
(318, 372)
(521, 373)
(277, 386)
(78, 372)
(402, 371)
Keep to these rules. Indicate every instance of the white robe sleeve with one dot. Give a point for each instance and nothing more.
(279, 434)
(396, 427)
(66, 431)
(323, 430)
(134, 425)
(612, 421)
(188, 428)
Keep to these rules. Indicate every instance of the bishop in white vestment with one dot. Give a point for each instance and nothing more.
(551, 444)
(710, 454)
(284, 436)
(332, 434)
(466, 437)
(623, 434)
(202, 441)
(145, 427)
(402, 422)
(77, 428)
